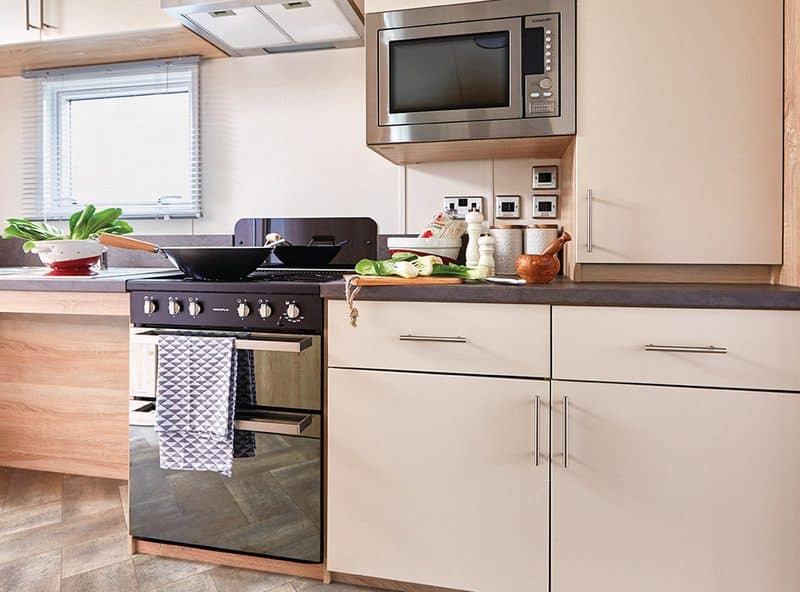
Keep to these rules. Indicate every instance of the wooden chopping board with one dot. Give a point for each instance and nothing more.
(374, 280)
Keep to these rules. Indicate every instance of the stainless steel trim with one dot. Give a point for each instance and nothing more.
(42, 23)
(143, 413)
(286, 344)
(537, 403)
(686, 349)
(28, 25)
(513, 111)
(565, 455)
(589, 198)
(433, 338)
(562, 125)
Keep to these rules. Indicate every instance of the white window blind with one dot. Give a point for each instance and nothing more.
(123, 135)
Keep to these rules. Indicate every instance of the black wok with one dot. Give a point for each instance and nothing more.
(312, 255)
(200, 263)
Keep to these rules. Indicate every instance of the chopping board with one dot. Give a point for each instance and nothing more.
(374, 280)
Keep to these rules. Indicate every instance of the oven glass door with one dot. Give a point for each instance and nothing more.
(448, 73)
(271, 506)
(287, 368)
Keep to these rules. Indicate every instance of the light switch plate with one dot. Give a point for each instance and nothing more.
(458, 205)
(507, 206)
(545, 206)
(545, 177)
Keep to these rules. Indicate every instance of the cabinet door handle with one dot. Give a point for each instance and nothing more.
(28, 24)
(537, 403)
(589, 198)
(564, 433)
(686, 349)
(433, 338)
(42, 24)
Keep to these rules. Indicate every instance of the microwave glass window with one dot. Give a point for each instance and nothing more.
(533, 51)
(447, 73)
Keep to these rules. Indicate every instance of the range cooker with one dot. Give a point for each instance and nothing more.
(272, 504)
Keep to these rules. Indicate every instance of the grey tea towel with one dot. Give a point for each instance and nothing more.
(196, 402)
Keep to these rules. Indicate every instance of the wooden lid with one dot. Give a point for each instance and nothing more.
(543, 226)
(507, 227)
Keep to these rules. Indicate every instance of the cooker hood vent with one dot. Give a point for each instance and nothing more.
(256, 27)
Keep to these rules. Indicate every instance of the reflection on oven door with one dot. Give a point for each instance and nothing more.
(270, 506)
(290, 380)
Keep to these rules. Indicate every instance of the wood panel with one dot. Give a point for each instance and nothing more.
(789, 273)
(104, 49)
(64, 394)
(386, 584)
(566, 203)
(549, 147)
(305, 570)
(65, 303)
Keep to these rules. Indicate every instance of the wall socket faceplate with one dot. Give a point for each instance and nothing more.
(507, 206)
(458, 206)
(545, 177)
(545, 206)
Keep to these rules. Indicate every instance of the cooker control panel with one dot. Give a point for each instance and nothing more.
(274, 312)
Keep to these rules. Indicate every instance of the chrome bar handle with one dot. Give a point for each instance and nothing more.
(42, 25)
(564, 433)
(686, 349)
(28, 24)
(433, 338)
(537, 402)
(589, 197)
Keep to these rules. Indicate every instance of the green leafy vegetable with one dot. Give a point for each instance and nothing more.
(460, 271)
(402, 264)
(84, 224)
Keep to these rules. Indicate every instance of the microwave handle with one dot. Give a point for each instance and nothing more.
(283, 345)
(143, 414)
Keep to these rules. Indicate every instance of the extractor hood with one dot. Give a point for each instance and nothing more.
(245, 28)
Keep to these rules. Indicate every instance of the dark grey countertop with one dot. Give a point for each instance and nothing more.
(34, 279)
(565, 292)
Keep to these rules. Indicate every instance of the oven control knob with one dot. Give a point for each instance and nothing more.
(265, 310)
(150, 307)
(546, 83)
(243, 310)
(174, 307)
(292, 311)
(195, 308)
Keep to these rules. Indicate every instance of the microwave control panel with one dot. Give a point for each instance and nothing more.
(540, 60)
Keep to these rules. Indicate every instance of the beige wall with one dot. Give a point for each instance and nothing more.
(284, 136)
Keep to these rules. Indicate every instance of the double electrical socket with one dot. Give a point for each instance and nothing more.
(458, 206)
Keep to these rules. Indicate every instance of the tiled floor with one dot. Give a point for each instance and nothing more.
(66, 533)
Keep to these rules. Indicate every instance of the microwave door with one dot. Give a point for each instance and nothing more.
(450, 73)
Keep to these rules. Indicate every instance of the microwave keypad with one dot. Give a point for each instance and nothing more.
(540, 56)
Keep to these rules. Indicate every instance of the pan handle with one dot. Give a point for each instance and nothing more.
(322, 238)
(124, 242)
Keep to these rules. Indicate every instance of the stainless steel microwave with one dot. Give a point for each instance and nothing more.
(498, 69)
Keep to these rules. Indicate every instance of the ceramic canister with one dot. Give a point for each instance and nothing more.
(508, 246)
(538, 237)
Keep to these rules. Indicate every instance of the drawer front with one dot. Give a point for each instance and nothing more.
(487, 339)
(692, 347)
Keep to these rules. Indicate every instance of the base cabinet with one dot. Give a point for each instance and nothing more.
(433, 479)
(671, 489)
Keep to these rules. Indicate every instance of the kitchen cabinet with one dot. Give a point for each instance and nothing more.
(14, 17)
(671, 488)
(434, 479)
(680, 132)
(80, 18)
(386, 5)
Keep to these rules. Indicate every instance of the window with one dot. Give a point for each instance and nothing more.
(123, 135)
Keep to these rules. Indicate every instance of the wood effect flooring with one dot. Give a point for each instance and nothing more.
(65, 533)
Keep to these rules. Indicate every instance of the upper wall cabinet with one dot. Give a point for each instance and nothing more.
(680, 127)
(19, 21)
(79, 18)
(385, 5)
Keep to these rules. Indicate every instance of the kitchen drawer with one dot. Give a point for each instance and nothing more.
(694, 347)
(490, 339)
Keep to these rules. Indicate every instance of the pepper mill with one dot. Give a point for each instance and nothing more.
(486, 245)
(474, 227)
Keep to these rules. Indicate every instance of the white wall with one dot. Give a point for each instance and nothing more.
(284, 135)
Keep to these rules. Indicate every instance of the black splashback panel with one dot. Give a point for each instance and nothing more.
(361, 234)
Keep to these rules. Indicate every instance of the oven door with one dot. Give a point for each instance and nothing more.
(271, 505)
(452, 72)
(287, 368)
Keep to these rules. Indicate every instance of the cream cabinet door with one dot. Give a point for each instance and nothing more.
(433, 479)
(80, 18)
(13, 21)
(671, 489)
(680, 131)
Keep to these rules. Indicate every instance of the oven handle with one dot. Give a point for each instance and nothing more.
(143, 414)
(287, 344)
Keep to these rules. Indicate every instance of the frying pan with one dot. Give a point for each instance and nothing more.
(200, 263)
(311, 255)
